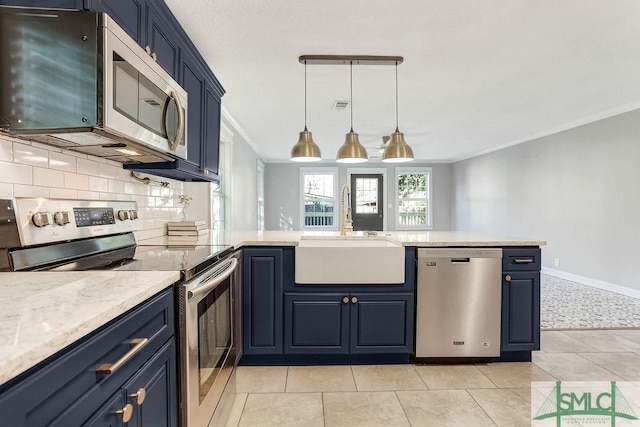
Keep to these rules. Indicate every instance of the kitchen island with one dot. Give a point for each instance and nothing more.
(289, 320)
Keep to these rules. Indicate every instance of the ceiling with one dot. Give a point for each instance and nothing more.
(477, 75)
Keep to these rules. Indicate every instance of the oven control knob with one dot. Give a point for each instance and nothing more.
(133, 214)
(40, 219)
(123, 215)
(61, 218)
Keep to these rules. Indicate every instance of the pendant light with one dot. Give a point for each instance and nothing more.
(398, 150)
(352, 151)
(305, 149)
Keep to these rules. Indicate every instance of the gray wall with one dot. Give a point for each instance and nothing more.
(282, 193)
(577, 189)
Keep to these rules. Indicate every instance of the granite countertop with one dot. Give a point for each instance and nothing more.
(407, 238)
(43, 312)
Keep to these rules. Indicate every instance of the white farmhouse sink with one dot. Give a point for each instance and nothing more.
(343, 260)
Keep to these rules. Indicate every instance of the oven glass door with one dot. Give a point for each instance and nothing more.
(214, 335)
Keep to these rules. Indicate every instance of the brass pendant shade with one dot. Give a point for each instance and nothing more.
(352, 151)
(398, 151)
(305, 149)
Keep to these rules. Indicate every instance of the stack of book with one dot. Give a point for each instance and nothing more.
(186, 231)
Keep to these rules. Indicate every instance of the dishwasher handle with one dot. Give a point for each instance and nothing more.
(460, 260)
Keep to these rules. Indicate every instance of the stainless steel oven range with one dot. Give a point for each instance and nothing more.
(70, 235)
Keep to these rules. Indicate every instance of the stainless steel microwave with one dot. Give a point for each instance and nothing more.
(78, 81)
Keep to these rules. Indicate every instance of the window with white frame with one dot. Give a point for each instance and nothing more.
(220, 189)
(413, 198)
(318, 196)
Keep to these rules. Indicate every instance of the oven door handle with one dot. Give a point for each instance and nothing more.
(206, 287)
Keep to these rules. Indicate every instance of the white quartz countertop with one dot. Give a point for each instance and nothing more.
(43, 312)
(407, 238)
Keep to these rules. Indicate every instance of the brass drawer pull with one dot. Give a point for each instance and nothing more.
(136, 346)
(507, 278)
(345, 300)
(126, 412)
(139, 396)
(354, 300)
(523, 261)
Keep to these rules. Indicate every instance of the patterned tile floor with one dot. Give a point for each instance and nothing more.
(570, 305)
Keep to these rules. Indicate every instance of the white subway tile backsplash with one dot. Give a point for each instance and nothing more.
(63, 193)
(76, 181)
(98, 184)
(107, 171)
(87, 167)
(16, 173)
(6, 190)
(48, 177)
(88, 195)
(116, 186)
(123, 175)
(49, 148)
(124, 197)
(21, 190)
(6, 150)
(28, 155)
(63, 162)
(130, 188)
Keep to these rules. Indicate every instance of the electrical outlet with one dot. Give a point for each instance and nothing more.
(556, 262)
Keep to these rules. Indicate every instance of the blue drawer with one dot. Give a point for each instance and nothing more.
(521, 259)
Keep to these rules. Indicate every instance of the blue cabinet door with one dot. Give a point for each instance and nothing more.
(107, 415)
(521, 311)
(381, 323)
(316, 324)
(163, 37)
(211, 143)
(192, 80)
(158, 380)
(128, 14)
(262, 294)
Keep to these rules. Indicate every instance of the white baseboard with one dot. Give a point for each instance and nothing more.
(623, 290)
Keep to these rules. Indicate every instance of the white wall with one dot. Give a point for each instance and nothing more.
(282, 192)
(37, 170)
(577, 189)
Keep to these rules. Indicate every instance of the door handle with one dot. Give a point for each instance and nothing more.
(136, 346)
(180, 131)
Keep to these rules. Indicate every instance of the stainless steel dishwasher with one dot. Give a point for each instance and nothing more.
(458, 302)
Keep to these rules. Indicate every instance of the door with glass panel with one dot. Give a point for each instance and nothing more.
(366, 202)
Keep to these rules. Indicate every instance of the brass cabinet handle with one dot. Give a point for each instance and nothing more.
(136, 346)
(354, 300)
(139, 396)
(523, 260)
(345, 300)
(126, 412)
(507, 278)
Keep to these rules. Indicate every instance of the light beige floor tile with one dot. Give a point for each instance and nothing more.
(353, 409)
(630, 334)
(559, 342)
(513, 374)
(572, 367)
(236, 410)
(453, 377)
(386, 377)
(626, 365)
(506, 407)
(282, 409)
(605, 341)
(320, 378)
(261, 379)
(442, 408)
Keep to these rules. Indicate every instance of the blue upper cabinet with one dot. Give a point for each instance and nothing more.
(164, 36)
(129, 14)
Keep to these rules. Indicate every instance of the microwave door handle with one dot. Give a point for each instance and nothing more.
(180, 131)
(206, 287)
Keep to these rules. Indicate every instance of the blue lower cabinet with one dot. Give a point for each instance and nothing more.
(520, 311)
(381, 323)
(316, 324)
(108, 415)
(262, 294)
(344, 323)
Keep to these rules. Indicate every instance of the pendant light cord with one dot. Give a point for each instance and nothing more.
(351, 86)
(397, 97)
(305, 96)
